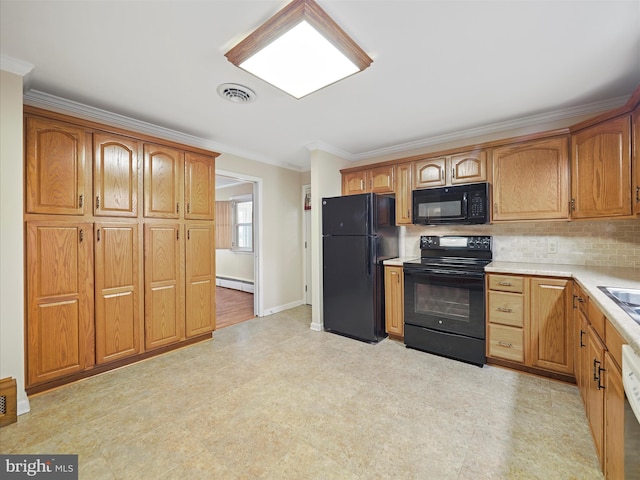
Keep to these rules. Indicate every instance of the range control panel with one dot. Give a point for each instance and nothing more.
(455, 242)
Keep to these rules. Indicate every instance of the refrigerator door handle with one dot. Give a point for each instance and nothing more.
(367, 257)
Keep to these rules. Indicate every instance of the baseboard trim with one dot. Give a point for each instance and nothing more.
(235, 284)
(282, 308)
(23, 407)
(316, 327)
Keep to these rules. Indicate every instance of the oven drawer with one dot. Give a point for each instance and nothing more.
(506, 283)
(506, 308)
(506, 342)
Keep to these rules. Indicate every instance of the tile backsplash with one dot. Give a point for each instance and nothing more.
(612, 243)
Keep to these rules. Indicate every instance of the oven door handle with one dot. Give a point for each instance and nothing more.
(456, 273)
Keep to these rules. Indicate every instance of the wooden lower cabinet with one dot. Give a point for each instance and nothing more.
(163, 283)
(551, 327)
(60, 332)
(613, 420)
(595, 390)
(118, 315)
(200, 280)
(394, 300)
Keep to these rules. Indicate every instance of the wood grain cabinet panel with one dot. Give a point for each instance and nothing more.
(55, 167)
(115, 174)
(430, 172)
(468, 167)
(506, 342)
(601, 170)
(162, 167)
(551, 313)
(381, 179)
(376, 180)
(531, 180)
(614, 413)
(394, 300)
(403, 194)
(200, 279)
(60, 334)
(117, 309)
(163, 283)
(354, 183)
(506, 308)
(199, 188)
(595, 391)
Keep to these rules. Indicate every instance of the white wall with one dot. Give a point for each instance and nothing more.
(326, 181)
(11, 236)
(281, 241)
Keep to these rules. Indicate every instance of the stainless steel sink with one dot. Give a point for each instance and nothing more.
(627, 298)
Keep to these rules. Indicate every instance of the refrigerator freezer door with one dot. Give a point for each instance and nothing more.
(349, 215)
(349, 286)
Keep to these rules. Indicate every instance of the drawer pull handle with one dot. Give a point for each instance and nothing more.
(505, 284)
(505, 344)
(502, 309)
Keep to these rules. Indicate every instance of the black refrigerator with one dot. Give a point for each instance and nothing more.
(358, 234)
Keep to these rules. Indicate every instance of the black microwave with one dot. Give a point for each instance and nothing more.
(460, 204)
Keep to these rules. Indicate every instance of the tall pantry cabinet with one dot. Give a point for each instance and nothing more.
(119, 247)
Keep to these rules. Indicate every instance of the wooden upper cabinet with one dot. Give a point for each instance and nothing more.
(601, 170)
(468, 167)
(200, 280)
(162, 179)
(381, 179)
(403, 194)
(354, 183)
(117, 291)
(461, 168)
(635, 187)
(60, 334)
(376, 180)
(55, 167)
(531, 180)
(115, 174)
(199, 188)
(430, 172)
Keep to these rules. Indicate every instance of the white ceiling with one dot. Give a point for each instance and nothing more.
(439, 67)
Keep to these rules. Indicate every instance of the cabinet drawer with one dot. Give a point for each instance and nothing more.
(506, 283)
(506, 342)
(506, 308)
(614, 342)
(596, 317)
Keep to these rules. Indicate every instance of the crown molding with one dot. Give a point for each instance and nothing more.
(36, 98)
(325, 147)
(15, 65)
(532, 120)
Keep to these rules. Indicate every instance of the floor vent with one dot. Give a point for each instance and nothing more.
(8, 401)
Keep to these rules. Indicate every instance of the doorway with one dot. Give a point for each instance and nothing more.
(237, 244)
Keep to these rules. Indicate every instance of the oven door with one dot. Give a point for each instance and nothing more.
(445, 300)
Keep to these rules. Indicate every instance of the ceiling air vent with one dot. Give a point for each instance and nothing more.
(236, 93)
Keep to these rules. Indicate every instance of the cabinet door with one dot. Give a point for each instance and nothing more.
(163, 309)
(403, 194)
(200, 280)
(614, 413)
(117, 291)
(162, 167)
(429, 173)
(55, 167)
(394, 300)
(468, 167)
(601, 170)
(531, 180)
(354, 182)
(636, 162)
(60, 300)
(580, 346)
(381, 179)
(199, 186)
(595, 392)
(115, 175)
(551, 328)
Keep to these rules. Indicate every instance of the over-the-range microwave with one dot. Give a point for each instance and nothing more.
(459, 204)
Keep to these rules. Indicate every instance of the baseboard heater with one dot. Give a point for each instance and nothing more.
(234, 283)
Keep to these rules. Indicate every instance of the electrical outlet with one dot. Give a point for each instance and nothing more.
(552, 246)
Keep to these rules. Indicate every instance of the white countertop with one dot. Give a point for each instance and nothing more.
(589, 278)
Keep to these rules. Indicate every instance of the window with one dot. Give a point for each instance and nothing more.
(242, 234)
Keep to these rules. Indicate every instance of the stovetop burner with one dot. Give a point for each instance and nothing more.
(454, 252)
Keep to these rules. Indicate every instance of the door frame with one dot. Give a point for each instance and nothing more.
(258, 307)
(306, 247)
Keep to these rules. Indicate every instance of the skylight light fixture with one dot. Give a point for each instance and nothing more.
(299, 50)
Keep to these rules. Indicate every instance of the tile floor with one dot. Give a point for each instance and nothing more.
(271, 399)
